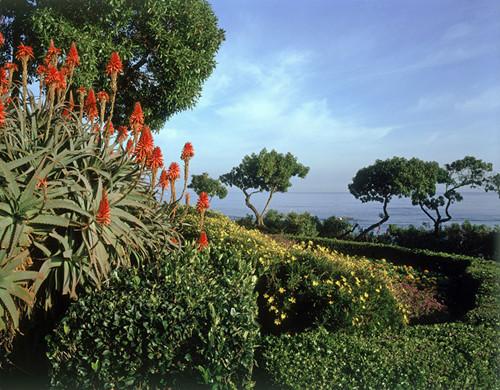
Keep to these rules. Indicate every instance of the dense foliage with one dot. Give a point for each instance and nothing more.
(445, 356)
(467, 239)
(168, 46)
(204, 183)
(191, 313)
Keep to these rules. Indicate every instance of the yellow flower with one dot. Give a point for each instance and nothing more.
(315, 283)
(277, 322)
(270, 299)
(283, 316)
(292, 299)
(281, 290)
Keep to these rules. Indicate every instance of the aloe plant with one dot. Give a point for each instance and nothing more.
(74, 202)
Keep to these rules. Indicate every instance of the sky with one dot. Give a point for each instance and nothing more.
(341, 83)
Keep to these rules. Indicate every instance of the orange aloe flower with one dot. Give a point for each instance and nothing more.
(174, 171)
(91, 105)
(187, 151)
(102, 96)
(103, 216)
(145, 145)
(202, 241)
(24, 53)
(155, 160)
(72, 59)
(203, 203)
(2, 39)
(52, 76)
(115, 64)
(110, 129)
(164, 180)
(52, 54)
(2, 114)
(136, 120)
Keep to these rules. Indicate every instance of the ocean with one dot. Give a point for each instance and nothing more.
(476, 207)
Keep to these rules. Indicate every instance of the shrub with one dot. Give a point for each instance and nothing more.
(449, 356)
(190, 312)
(301, 286)
(336, 227)
(466, 239)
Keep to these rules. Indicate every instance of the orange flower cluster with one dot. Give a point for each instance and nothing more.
(174, 171)
(203, 203)
(52, 54)
(91, 105)
(72, 59)
(2, 39)
(2, 114)
(24, 53)
(103, 216)
(114, 65)
(202, 241)
(187, 151)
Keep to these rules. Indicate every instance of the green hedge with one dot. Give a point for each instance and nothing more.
(445, 263)
(445, 356)
(474, 284)
(192, 313)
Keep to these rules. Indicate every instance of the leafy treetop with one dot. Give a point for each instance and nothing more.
(204, 183)
(167, 46)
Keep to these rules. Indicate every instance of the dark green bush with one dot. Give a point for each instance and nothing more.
(467, 239)
(445, 356)
(445, 263)
(190, 313)
(336, 227)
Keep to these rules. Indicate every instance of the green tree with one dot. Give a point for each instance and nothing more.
(167, 46)
(467, 172)
(264, 172)
(394, 177)
(204, 183)
(493, 184)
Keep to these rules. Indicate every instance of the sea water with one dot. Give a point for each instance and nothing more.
(476, 207)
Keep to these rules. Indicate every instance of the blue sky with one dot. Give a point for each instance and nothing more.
(343, 83)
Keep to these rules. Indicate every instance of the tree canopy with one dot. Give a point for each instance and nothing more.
(168, 47)
(204, 183)
(394, 177)
(467, 172)
(264, 172)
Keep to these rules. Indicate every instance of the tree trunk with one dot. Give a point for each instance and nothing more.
(258, 217)
(375, 225)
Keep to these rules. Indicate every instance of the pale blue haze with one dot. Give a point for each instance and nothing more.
(342, 83)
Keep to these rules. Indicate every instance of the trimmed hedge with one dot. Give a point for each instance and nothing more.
(474, 284)
(191, 313)
(445, 356)
(445, 263)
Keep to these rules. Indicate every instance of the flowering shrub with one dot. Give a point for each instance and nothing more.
(75, 202)
(303, 285)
